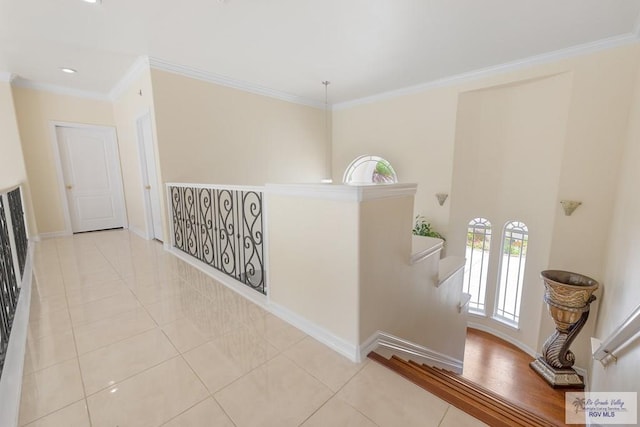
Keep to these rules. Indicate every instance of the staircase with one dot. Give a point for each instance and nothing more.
(465, 395)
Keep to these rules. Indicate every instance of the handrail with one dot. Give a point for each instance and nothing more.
(620, 336)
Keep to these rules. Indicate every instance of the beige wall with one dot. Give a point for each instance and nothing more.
(414, 132)
(35, 111)
(130, 105)
(213, 134)
(12, 167)
(12, 170)
(508, 155)
(400, 298)
(417, 133)
(313, 261)
(622, 274)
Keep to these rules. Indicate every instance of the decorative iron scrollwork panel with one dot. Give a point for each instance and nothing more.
(8, 284)
(19, 228)
(222, 228)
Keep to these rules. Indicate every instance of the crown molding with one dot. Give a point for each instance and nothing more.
(60, 90)
(193, 73)
(545, 58)
(136, 69)
(6, 77)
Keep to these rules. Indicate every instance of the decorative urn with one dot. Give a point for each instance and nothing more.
(568, 297)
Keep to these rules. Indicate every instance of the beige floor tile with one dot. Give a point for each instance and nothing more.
(205, 413)
(41, 306)
(159, 291)
(74, 280)
(149, 398)
(225, 359)
(111, 364)
(49, 350)
(91, 336)
(390, 400)
(43, 324)
(50, 389)
(336, 413)
(214, 323)
(74, 415)
(278, 332)
(280, 394)
(167, 311)
(145, 280)
(46, 288)
(103, 308)
(92, 293)
(457, 418)
(184, 334)
(331, 368)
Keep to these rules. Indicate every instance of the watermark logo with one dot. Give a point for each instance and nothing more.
(601, 408)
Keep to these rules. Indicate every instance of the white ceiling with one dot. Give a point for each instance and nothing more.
(364, 47)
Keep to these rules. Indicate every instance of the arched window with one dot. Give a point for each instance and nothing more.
(477, 264)
(511, 278)
(369, 170)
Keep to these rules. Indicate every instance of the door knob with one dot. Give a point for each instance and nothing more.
(69, 187)
(147, 187)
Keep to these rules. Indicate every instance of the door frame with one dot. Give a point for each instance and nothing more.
(55, 147)
(144, 175)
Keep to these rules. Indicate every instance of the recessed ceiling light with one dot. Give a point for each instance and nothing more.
(93, 1)
(68, 70)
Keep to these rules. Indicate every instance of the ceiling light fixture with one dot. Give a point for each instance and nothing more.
(93, 1)
(68, 70)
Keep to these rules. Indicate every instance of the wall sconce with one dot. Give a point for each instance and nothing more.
(441, 198)
(569, 206)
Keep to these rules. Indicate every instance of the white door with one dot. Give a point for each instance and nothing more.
(149, 177)
(91, 173)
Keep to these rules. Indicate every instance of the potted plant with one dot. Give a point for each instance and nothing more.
(424, 228)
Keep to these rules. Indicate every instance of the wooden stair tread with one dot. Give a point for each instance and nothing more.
(468, 383)
(481, 403)
(484, 395)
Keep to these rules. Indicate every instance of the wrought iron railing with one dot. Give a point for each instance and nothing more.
(19, 227)
(222, 227)
(13, 253)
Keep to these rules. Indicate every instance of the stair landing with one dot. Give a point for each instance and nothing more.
(497, 385)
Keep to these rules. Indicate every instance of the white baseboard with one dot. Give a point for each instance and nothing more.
(11, 379)
(54, 234)
(387, 345)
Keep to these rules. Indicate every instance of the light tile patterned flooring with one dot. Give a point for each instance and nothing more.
(123, 333)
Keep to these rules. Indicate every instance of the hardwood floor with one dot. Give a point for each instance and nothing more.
(504, 369)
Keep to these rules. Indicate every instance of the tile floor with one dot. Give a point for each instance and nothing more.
(123, 333)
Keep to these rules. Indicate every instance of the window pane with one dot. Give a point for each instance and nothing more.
(370, 170)
(514, 255)
(477, 264)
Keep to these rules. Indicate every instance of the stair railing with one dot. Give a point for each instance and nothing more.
(619, 337)
(221, 226)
